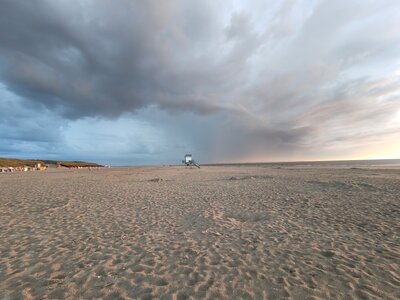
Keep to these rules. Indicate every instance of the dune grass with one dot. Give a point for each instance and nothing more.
(13, 162)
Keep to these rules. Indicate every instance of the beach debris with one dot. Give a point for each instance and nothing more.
(108, 284)
(250, 177)
(328, 253)
(212, 232)
(188, 161)
(157, 180)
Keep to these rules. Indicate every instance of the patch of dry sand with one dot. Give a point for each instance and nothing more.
(215, 232)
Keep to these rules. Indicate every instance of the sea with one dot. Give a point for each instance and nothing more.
(376, 163)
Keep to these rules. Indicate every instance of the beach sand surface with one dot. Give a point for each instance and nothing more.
(219, 232)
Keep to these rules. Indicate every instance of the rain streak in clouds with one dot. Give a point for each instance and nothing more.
(146, 81)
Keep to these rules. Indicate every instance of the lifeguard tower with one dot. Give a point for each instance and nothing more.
(188, 161)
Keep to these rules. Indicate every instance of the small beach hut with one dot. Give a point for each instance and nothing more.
(39, 167)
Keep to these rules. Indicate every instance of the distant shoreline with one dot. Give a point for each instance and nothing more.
(365, 162)
(361, 162)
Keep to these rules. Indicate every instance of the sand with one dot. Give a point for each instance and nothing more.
(229, 232)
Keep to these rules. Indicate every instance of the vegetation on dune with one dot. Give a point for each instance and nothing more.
(12, 162)
(70, 164)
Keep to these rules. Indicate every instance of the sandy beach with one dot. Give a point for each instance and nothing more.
(219, 232)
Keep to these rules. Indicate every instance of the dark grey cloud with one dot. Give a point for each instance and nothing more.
(262, 78)
(110, 57)
(27, 129)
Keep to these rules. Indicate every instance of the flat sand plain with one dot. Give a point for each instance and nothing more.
(230, 232)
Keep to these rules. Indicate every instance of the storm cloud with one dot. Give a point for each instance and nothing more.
(266, 80)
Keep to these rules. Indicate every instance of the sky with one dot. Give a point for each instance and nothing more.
(126, 82)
